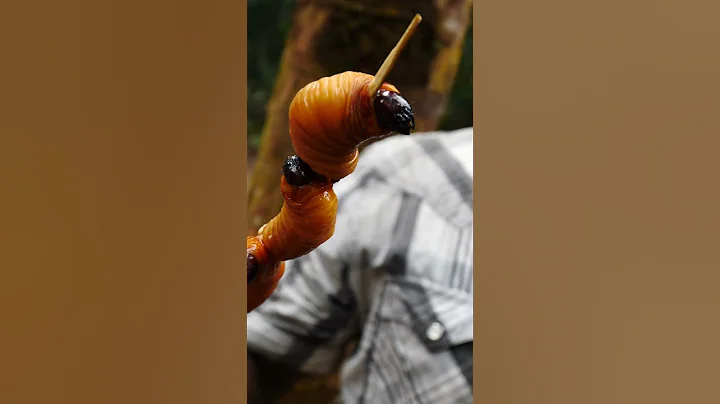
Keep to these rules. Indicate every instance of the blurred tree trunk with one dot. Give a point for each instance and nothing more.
(332, 36)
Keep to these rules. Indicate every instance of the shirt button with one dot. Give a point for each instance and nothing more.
(435, 331)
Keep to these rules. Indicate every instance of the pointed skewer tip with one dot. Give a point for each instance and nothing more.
(392, 57)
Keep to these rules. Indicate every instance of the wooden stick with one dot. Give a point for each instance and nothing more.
(389, 62)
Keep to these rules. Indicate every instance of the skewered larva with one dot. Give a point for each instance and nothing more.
(329, 119)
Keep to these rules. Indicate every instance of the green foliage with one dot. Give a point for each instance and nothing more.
(269, 22)
(459, 111)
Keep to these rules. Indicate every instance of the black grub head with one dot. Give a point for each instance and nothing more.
(393, 112)
(297, 173)
(253, 267)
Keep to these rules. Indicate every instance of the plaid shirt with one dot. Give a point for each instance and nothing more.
(396, 278)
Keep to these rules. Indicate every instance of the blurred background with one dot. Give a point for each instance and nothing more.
(292, 43)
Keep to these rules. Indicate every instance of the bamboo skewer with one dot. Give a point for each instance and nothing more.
(390, 60)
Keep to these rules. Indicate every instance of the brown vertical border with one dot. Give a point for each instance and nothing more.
(242, 387)
(478, 274)
(598, 220)
(122, 207)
